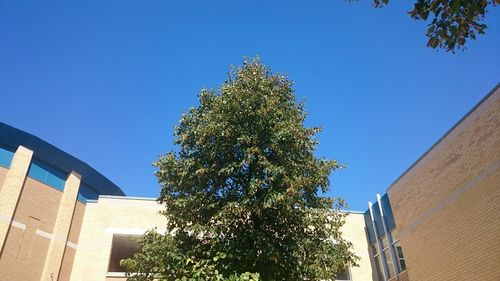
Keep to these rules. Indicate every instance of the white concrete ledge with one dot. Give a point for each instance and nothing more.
(124, 198)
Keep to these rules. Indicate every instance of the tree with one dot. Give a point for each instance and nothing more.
(241, 194)
(453, 21)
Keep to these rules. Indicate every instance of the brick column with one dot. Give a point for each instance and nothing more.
(61, 228)
(11, 189)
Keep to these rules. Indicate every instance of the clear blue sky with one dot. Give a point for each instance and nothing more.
(107, 81)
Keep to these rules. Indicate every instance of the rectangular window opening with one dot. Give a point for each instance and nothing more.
(47, 174)
(378, 268)
(390, 267)
(122, 247)
(344, 275)
(400, 256)
(374, 249)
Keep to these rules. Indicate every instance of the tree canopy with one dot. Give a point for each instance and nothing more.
(453, 21)
(242, 193)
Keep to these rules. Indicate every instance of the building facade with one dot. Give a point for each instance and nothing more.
(440, 220)
(111, 223)
(62, 220)
(43, 197)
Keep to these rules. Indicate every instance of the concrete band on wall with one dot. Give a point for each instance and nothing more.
(41, 211)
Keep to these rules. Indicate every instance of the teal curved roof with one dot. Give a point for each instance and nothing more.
(12, 138)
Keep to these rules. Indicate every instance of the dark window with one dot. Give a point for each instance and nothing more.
(402, 265)
(379, 227)
(378, 268)
(386, 207)
(123, 247)
(400, 256)
(369, 227)
(344, 275)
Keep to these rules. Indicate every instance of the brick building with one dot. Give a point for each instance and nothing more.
(440, 220)
(62, 220)
(43, 195)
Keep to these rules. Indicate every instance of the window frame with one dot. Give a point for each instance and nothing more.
(398, 258)
(348, 270)
(117, 273)
(377, 260)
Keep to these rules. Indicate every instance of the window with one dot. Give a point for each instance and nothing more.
(390, 266)
(5, 157)
(386, 206)
(343, 276)
(385, 248)
(377, 217)
(378, 268)
(400, 257)
(377, 262)
(374, 249)
(386, 252)
(394, 235)
(47, 174)
(370, 233)
(384, 242)
(123, 247)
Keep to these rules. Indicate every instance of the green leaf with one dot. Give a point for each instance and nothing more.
(241, 193)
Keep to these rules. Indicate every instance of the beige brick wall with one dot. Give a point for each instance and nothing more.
(3, 173)
(28, 241)
(76, 223)
(67, 264)
(37, 206)
(11, 189)
(447, 207)
(354, 231)
(128, 216)
(40, 201)
(119, 215)
(62, 225)
(73, 237)
(24, 255)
